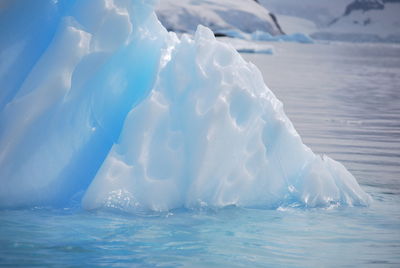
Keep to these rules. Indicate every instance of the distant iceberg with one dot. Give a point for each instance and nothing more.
(245, 46)
(265, 36)
(112, 107)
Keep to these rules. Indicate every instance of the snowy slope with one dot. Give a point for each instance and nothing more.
(319, 12)
(346, 20)
(365, 20)
(293, 24)
(245, 15)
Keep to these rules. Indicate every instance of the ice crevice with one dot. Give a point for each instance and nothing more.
(136, 118)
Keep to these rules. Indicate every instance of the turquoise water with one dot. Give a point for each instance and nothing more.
(344, 99)
(230, 237)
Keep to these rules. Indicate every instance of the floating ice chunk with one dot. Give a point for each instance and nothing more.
(265, 36)
(295, 37)
(245, 46)
(211, 132)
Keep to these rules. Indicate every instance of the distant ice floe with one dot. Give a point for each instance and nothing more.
(244, 46)
(264, 36)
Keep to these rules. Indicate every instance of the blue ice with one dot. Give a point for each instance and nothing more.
(100, 103)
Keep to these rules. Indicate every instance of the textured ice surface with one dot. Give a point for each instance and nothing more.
(211, 133)
(63, 113)
(113, 106)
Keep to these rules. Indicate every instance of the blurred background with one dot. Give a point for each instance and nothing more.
(345, 20)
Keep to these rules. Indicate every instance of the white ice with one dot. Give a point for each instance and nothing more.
(148, 121)
(245, 46)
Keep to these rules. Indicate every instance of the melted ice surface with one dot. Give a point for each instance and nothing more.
(211, 133)
(115, 107)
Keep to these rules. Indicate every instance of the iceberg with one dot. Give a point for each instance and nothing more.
(295, 37)
(244, 46)
(112, 109)
(265, 36)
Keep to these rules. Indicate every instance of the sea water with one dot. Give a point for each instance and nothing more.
(344, 99)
